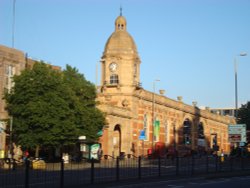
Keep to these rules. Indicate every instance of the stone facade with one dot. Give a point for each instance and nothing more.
(139, 120)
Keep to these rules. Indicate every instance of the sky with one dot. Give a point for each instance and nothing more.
(189, 45)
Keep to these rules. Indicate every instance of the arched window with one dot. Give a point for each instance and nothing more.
(114, 79)
(201, 131)
(187, 132)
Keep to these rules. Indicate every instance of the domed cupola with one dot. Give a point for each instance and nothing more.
(120, 60)
(120, 42)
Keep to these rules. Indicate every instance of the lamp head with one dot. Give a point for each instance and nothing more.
(243, 54)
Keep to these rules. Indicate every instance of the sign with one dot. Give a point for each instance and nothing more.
(142, 135)
(100, 133)
(156, 130)
(237, 133)
(82, 138)
(94, 151)
(235, 138)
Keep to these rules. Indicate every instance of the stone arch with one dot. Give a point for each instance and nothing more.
(186, 131)
(201, 137)
(201, 130)
(117, 140)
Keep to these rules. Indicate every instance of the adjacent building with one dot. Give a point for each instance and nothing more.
(12, 62)
(224, 111)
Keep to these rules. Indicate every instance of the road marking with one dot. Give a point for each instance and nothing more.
(222, 180)
(159, 182)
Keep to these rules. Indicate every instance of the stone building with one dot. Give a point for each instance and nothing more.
(140, 120)
(12, 62)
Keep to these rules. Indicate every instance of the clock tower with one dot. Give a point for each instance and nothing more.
(120, 62)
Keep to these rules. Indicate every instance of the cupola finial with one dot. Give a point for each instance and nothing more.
(120, 10)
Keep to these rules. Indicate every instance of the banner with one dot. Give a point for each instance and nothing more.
(94, 151)
(156, 130)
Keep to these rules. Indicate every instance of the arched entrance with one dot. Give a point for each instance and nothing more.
(117, 140)
(201, 141)
(187, 132)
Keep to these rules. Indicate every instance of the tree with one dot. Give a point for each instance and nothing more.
(244, 115)
(52, 108)
(88, 118)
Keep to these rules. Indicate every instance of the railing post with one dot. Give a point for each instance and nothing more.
(27, 165)
(159, 166)
(207, 164)
(177, 165)
(192, 165)
(242, 162)
(139, 167)
(117, 169)
(92, 171)
(216, 163)
(62, 174)
(231, 163)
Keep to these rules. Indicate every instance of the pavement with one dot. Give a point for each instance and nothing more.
(133, 182)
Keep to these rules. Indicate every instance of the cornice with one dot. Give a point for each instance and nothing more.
(180, 106)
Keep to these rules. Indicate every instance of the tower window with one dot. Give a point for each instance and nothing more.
(114, 79)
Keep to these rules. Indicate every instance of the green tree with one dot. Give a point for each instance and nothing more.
(88, 118)
(244, 115)
(52, 108)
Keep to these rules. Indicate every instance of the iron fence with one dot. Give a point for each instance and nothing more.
(111, 169)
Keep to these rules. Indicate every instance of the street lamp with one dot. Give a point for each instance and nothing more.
(236, 84)
(153, 112)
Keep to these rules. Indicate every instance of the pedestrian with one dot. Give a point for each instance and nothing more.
(26, 155)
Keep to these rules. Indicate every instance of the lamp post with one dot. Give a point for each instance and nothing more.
(174, 131)
(153, 112)
(236, 83)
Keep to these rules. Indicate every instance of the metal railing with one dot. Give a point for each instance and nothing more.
(110, 169)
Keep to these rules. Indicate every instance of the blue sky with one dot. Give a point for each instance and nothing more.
(190, 45)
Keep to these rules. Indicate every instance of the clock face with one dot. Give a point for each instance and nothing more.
(113, 67)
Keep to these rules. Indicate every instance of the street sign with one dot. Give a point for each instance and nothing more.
(142, 135)
(235, 138)
(237, 133)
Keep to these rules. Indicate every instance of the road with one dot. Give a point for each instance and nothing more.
(232, 182)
